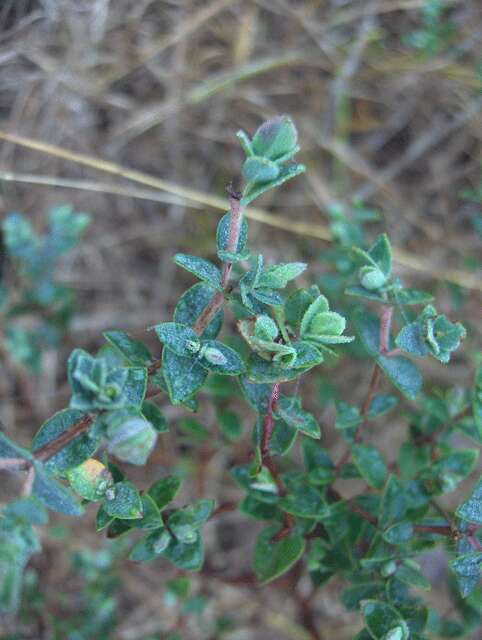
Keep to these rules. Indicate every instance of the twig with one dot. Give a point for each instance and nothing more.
(217, 301)
(268, 462)
(268, 423)
(372, 389)
(29, 480)
(13, 463)
(385, 326)
(54, 446)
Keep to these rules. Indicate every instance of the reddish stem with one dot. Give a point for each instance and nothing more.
(372, 390)
(217, 301)
(268, 424)
(54, 446)
(385, 325)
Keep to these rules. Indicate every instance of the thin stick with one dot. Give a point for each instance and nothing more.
(29, 480)
(54, 446)
(462, 278)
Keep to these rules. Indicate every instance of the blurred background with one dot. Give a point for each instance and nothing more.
(128, 111)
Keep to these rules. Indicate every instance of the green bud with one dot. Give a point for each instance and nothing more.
(131, 439)
(275, 138)
(372, 278)
(388, 568)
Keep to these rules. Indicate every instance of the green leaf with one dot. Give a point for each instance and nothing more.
(201, 268)
(263, 371)
(275, 138)
(381, 404)
(54, 495)
(471, 509)
(282, 439)
(272, 559)
(319, 305)
(134, 351)
(285, 174)
(163, 491)
(278, 276)
(11, 568)
(401, 371)
(103, 519)
(353, 595)
(123, 501)
(383, 621)
(304, 502)
(411, 297)
(185, 522)
(411, 340)
(9, 449)
(28, 509)
(370, 464)
(24, 346)
(258, 510)
(467, 571)
(409, 573)
(381, 254)
(398, 533)
(151, 412)
(454, 467)
(219, 358)
(152, 546)
(90, 480)
(76, 451)
(151, 516)
(258, 395)
(260, 170)
(186, 556)
(393, 505)
(179, 338)
(318, 463)
(347, 415)
(297, 304)
(222, 234)
(191, 306)
(307, 356)
(289, 409)
(231, 425)
(194, 430)
(265, 328)
(184, 376)
(135, 387)
(361, 292)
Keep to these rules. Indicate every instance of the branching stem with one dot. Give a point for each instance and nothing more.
(219, 298)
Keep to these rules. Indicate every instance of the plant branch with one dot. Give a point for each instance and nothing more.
(268, 462)
(372, 390)
(385, 326)
(54, 446)
(268, 423)
(218, 300)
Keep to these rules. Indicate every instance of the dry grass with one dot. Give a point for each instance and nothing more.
(129, 110)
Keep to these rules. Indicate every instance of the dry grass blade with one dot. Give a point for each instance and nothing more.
(463, 279)
(164, 42)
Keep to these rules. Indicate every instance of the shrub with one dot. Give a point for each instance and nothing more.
(370, 541)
